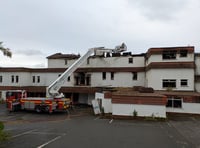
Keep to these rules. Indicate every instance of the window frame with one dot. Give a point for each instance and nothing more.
(135, 75)
(169, 54)
(174, 103)
(184, 81)
(103, 75)
(17, 79)
(183, 53)
(130, 60)
(112, 75)
(1, 79)
(12, 79)
(169, 82)
(38, 79)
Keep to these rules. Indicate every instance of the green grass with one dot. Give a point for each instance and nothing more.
(3, 135)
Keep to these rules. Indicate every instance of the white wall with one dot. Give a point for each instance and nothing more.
(142, 110)
(100, 62)
(121, 79)
(193, 108)
(115, 62)
(23, 78)
(158, 58)
(197, 62)
(155, 77)
(106, 103)
(3, 95)
(59, 63)
(197, 86)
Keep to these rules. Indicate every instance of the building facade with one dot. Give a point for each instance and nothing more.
(171, 71)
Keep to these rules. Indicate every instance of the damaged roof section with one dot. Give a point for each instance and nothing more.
(63, 56)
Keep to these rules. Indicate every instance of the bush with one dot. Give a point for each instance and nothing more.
(1, 126)
(3, 135)
(135, 113)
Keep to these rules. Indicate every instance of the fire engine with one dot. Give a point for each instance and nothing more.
(54, 100)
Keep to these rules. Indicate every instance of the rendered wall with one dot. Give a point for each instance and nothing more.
(142, 110)
(155, 77)
(100, 62)
(121, 79)
(106, 103)
(158, 58)
(192, 108)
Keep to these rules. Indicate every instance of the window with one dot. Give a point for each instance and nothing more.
(134, 75)
(183, 53)
(38, 79)
(112, 75)
(88, 80)
(130, 60)
(88, 61)
(103, 75)
(184, 82)
(1, 79)
(68, 79)
(16, 79)
(66, 61)
(169, 54)
(174, 102)
(171, 83)
(33, 78)
(12, 79)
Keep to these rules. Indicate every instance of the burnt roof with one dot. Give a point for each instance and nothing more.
(63, 56)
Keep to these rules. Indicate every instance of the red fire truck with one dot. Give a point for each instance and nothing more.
(18, 100)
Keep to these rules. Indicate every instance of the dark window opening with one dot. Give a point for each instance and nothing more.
(33, 79)
(184, 82)
(103, 75)
(76, 80)
(66, 61)
(17, 79)
(174, 103)
(169, 54)
(112, 75)
(130, 60)
(135, 76)
(1, 79)
(68, 78)
(82, 79)
(169, 83)
(12, 79)
(183, 53)
(38, 79)
(88, 80)
(88, 61)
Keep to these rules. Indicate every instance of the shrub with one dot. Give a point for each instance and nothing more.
(135, 113)
(3, 134)
(1, 126)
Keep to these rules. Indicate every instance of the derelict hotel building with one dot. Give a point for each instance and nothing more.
(121, 80)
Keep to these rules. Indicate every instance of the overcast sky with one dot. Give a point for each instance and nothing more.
(35, 29)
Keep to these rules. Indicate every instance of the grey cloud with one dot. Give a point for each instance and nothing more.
(159, 9)
(29, 52)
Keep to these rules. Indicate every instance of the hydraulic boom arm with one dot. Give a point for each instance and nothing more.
(52, 89)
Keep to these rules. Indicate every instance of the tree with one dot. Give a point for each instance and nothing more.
(6, 51)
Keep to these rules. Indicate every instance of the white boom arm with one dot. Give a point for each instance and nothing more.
(52, 89)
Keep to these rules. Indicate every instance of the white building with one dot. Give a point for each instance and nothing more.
(173, 72)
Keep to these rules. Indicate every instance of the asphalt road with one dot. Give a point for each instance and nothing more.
(81, 129)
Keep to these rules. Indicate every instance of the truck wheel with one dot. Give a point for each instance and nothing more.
(38, 109)
(47, 109)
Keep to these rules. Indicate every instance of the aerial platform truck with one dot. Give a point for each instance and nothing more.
(54, 101)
